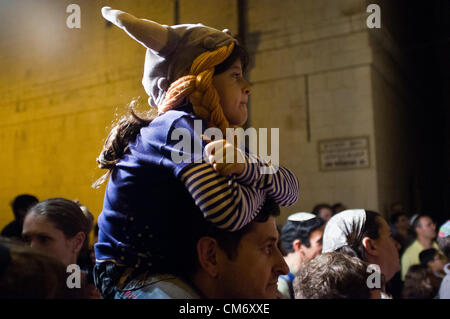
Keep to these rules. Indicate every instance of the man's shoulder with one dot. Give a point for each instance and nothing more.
(412, 248)
(411, 252)
(160, 286)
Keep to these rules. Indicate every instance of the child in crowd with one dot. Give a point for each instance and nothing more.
(420, 283)
(434, 261)
(195, 76)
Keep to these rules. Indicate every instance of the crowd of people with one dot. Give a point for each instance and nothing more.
(196, 218)
(352, 255)
(358, 249)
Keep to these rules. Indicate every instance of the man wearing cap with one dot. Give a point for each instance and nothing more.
(301, 239)
(425, 229)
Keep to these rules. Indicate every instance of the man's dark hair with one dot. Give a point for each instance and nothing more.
(22, 203)
(332, 275)
(229, 241)
(190, 227)
(395, 217)
(427, 255)
(300, 230)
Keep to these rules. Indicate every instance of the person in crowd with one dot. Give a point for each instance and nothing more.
(59, 228)
(334, 275)
(420, 283)
(433, 261)
(194, 75)
(244, 264)
(28, 274)
(425, 230)
(301, 239)
(366, 235)
(443, 241)
(338, 207)
(324, 211)
(20, 206)
(400, 230)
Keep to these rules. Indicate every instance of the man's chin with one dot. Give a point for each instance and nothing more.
(272, 291)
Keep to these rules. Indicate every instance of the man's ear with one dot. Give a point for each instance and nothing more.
(207, 255)
(370, 246)
(296, 244)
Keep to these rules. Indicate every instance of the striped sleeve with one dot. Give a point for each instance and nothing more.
(278, 182)
(226, 203)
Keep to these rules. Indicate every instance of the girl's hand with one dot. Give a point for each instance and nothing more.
(217, 153)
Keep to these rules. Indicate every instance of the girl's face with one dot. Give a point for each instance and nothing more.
(42, 235)
(233, 91)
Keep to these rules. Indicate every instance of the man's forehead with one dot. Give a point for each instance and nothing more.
(263, 231)
(425, 220)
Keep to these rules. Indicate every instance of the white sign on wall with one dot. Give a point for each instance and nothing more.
(344, 153)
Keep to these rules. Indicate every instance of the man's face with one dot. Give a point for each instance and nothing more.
(426, 228)
(315, 247)
(258, 263)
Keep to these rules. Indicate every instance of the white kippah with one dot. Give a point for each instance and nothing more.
(301, 217)
(340, 226)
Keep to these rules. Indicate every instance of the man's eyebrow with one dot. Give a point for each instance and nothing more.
(271, 239)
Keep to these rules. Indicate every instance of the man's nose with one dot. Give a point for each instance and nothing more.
(246, 87)
(281, 268)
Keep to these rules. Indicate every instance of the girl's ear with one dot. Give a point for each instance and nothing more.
(370, 246)
(207, 255)
(78, 241)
